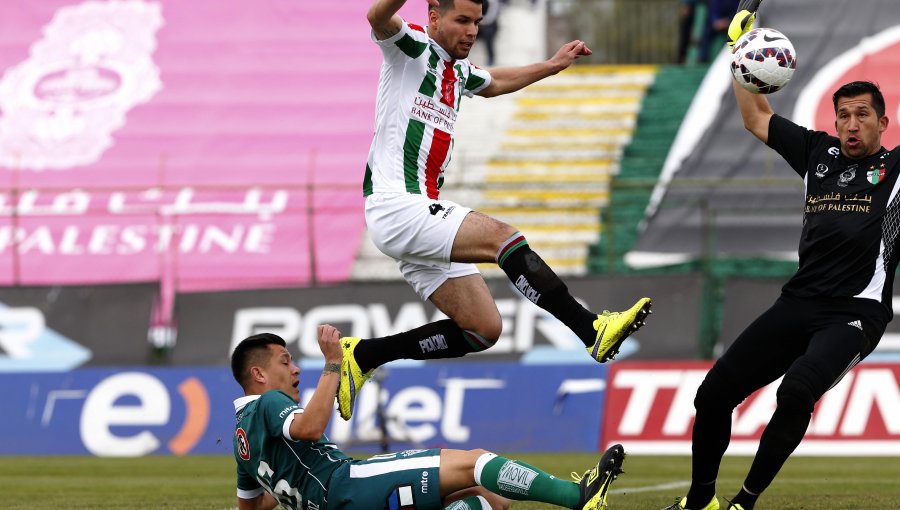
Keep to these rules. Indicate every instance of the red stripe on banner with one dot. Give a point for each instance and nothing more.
(649, 406)
(440, 145)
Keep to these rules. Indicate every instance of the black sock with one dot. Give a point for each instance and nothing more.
(710, 436)
(540, 285)
(700, 494)
(437, 340)
(745, 499)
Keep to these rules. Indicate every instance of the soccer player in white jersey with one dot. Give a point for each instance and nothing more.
(437, 242)
(284, 458)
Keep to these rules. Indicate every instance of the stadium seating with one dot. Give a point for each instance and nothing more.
(660, 116)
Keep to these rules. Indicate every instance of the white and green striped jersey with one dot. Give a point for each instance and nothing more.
(419, 92)
(296, 473)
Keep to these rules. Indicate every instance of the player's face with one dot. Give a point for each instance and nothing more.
(456, 29)
(858, 126)
(281, 372)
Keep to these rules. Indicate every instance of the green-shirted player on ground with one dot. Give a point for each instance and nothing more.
(283, 457)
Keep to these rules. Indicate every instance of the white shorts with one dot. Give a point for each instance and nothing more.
(418, 233)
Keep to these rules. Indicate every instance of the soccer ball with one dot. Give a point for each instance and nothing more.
(763, 60)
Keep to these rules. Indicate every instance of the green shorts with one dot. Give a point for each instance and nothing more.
(397, 481)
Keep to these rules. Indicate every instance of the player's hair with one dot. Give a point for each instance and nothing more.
(252, 351)
(446, 5)
(858, 88)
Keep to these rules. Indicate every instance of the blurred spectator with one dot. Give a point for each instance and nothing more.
(719, 14)
(487, 30)
(686, 15)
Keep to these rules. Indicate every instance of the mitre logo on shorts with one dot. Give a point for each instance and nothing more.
(515, 477)
(92, 65)
(242, 444)
(435, 208)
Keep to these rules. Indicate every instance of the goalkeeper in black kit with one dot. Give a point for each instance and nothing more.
(833, 311)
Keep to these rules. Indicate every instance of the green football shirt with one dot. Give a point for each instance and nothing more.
(296, 473)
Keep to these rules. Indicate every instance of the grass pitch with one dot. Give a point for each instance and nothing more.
(207, 482)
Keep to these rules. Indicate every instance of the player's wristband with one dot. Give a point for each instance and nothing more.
(332, 367)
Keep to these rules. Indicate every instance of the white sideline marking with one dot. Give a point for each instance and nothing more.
(652, 488)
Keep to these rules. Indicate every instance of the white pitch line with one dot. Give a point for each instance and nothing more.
(652, 488)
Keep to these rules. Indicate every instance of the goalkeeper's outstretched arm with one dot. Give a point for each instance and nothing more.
(755, 110)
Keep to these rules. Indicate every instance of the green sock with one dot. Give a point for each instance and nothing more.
(470, 503)
(517, 480)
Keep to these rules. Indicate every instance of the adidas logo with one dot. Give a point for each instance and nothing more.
(856, 324)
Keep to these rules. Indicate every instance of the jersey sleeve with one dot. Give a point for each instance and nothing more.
(247, 486)
(278, 413)
(478, 80)
(794, 143)
(410, 42)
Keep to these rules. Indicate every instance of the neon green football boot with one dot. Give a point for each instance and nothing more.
(352, 378)
(594, 483)
(614, 327)
(680, 505)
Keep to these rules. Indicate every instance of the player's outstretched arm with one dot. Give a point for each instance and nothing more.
(510, 79)
(755, 110)
(311, 424)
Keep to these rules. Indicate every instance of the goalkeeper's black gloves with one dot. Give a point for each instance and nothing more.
(743, 20)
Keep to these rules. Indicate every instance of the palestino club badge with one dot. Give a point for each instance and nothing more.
(93, 64)
(242, 444)
(875, 173)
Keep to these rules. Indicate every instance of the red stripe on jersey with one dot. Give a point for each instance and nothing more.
(416, 27)
(448, 85)
(440, 144)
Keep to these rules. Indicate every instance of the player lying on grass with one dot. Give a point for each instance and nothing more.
(283, 456)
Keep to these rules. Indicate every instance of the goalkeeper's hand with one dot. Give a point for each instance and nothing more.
(743, 20)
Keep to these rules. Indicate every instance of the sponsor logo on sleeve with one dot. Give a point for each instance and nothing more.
(242, 444)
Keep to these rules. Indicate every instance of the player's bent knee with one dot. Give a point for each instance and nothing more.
(716, 393)
(478, 452)
(795, 394)
(486, 332)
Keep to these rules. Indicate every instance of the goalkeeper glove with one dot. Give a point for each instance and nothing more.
(743, 20)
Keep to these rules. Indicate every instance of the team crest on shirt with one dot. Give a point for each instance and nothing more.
(847, 176)
(821, 170)
(242, 444)
(875, 174)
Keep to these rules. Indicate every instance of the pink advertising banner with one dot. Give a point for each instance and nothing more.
(211, 144)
